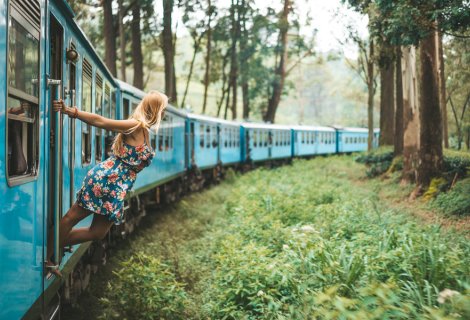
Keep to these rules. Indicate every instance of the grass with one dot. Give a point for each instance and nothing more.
(314, 240)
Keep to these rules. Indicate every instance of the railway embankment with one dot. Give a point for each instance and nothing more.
(315, 239)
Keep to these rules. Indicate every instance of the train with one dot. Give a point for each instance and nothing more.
(44, 55)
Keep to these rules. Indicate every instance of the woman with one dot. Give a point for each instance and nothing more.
(106, 184)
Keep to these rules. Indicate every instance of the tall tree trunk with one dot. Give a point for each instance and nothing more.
(227, 102)
(370, 100)
(137, 57)
(122, 43)
(244, 64)
(224, 82)
(168, 50)
(387, 105)
(208, 55)
(197, 44)
(410, 114)
(398, 141)
(234, 11)
(280, 73)
(442, 89)
(430, 151)
(109, 36)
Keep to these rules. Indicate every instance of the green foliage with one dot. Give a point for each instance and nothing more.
(377, 161)
(436, 186)
(297, 242)
(456, 163)
(144, 288)
(456, 201)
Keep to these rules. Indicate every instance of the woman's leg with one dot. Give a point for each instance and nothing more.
(97, 231)
(71, 218)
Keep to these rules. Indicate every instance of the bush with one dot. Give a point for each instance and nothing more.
(144, 288)
(456, 163)
(456, 201)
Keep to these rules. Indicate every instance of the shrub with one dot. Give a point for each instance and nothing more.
(456, 201)
(144, 288)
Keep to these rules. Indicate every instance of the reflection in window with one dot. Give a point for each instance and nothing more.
(98, 110)
(201, 135)
(23, 59)
(208, 136)
(22, 102)
(86, 106)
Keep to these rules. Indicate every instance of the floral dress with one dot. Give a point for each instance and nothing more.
(106, 184)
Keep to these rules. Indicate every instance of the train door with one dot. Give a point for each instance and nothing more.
(270, 144)
(55, 173)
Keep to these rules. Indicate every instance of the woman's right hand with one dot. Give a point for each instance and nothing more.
(59, 106)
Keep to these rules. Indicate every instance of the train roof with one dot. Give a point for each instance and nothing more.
(312, 128)
(257, 125)
(362, 130)
(139, 94)
(212, 119)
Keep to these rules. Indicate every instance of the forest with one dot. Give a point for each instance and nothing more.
(239, 60)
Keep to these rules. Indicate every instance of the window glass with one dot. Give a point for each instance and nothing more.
(201, 135)
(112, 115)
(23, 59)
(22, 137)
(98, 110)
(208, 136)
(22, 102)
(125, 108)
(86, 106)
(214, 136)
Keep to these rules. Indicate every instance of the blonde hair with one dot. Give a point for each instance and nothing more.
(148, 114)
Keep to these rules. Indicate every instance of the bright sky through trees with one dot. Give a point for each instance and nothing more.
(329, 18)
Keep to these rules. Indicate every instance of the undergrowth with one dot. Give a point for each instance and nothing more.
(297, 242)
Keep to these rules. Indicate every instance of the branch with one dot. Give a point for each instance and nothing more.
(308, 53)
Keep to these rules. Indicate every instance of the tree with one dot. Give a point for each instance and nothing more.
(280, 71)
(168, 48)
(210, 13)
(137, 57)
(387, 93)
(122, 41)
(109, 36)
(399, 132)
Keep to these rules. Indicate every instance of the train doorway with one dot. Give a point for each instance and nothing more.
(55, 174)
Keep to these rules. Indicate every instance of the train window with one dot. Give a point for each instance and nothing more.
(106, 106)
(255, 138)
(224, 137)
(134, 106)
(98, 110)
(208, 136)
(167, 132)
(153, 141)
(125, 108)
(160, 139)
(112, 114)
(86, 106)
(201, 135)
(171, 133)
(214, 136)
(22, 101)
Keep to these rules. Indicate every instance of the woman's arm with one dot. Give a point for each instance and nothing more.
(95, 119)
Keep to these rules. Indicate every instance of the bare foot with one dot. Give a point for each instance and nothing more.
(52, 270)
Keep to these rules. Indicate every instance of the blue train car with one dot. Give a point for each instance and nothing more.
(309, 140)
(169, 143)
(352, 139)
(229, 147)
(45, 155)
(203, 151)
(263, 142)
(281, 142)
(44, 55)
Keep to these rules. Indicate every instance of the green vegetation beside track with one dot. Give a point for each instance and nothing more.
(313, 240)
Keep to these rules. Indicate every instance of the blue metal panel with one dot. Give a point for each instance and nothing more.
(205, 151)
(167, 162)
(21, 212)
(230, 144)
